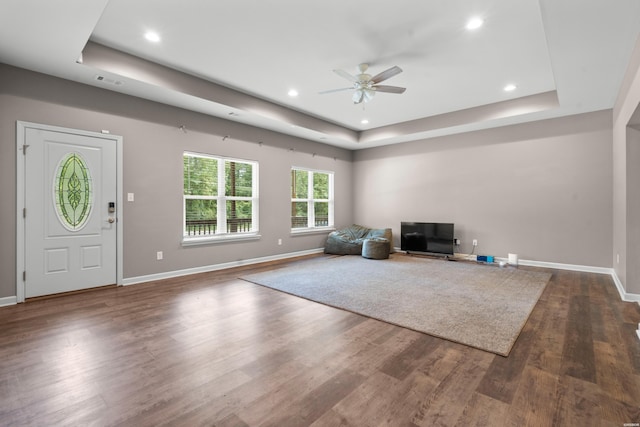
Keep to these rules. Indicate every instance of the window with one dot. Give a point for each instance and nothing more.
(73, 192)
(311, 199)
(220, 197)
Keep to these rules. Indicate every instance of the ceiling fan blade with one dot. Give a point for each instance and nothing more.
(389, 89)
(335, 90)
(386, 74)
(346, 75)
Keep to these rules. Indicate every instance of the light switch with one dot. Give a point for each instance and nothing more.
(130, 197)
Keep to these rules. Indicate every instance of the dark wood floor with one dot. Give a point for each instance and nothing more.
(213, 350)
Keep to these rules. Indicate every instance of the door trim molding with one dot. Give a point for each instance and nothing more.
(21, 128)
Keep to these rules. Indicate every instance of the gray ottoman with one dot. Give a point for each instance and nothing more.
(376, 248)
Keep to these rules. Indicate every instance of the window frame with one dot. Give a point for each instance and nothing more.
(310, 200)
(222, 234)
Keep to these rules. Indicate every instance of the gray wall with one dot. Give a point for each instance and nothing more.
(633, 209)
(541, 190)
(626, 191)
(153, 147)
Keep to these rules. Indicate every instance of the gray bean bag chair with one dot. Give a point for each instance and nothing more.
(348, 241)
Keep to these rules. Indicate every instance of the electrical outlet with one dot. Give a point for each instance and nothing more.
(457, 241)
(159, 255)
(279, 242)
(475, 242)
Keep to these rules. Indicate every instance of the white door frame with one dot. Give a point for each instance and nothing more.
(21, 128)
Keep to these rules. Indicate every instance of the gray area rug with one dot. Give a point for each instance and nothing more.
(478, 305)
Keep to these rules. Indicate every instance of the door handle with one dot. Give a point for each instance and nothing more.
(111, 220)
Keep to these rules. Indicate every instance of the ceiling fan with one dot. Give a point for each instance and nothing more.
(365, 86)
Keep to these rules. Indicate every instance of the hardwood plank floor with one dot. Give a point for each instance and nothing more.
(213, 350)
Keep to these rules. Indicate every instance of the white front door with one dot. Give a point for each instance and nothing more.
(70, 210)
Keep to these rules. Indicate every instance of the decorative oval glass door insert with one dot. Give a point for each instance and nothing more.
(73, 192)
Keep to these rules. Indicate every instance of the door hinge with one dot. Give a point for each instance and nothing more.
(24, 276)
(24, 212)
(24, 149)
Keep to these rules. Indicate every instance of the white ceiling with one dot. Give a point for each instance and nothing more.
(566, 57)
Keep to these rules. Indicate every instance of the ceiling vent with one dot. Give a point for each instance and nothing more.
(108, 81)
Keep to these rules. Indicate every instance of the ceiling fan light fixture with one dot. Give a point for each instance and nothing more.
(357, 97)
(365, 86)
(369, 94)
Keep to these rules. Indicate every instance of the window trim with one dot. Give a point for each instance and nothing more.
(310, 200)
(221, 202)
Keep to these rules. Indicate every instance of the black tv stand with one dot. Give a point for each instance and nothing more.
(432, 256)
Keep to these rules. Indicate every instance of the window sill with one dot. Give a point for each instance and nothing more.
(225, 238)
(307, 231)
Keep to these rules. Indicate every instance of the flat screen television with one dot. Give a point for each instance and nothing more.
(435, 238)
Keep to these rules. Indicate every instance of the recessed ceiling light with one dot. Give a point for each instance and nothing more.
(474, 23)
(292, 93)
(364, 121)
(152, 36)
(510, 88)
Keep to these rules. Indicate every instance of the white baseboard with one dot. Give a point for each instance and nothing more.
(8, 301)
(625, 296)
(558, 266)
(215, 267)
